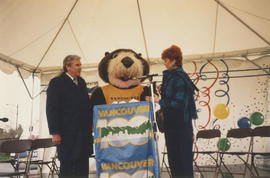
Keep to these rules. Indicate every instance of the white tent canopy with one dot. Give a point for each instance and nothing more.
(39, 34)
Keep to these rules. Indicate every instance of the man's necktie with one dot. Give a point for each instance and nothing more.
(75, 80)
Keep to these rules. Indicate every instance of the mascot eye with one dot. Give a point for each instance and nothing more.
(114, 55)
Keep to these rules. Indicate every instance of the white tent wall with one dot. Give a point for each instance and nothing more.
(16, 103)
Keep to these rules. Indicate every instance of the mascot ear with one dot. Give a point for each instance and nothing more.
(138, 55)
(106, 53)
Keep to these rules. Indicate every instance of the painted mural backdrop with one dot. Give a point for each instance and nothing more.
(233, 94)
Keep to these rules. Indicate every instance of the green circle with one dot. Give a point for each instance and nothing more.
(227, 176)
(256, 118)
(223, 144)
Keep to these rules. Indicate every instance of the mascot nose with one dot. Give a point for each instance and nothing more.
(127, 61)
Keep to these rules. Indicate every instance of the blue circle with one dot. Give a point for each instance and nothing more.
(243, 122)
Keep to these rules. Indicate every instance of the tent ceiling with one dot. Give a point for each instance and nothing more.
(96, 26)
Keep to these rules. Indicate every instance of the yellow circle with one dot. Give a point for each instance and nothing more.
(221, 111)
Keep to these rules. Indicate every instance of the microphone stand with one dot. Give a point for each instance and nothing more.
(153, 99)
(150, 78)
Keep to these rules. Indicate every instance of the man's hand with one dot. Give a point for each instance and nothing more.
(56, 139)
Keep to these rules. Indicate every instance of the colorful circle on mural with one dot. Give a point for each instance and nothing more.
(243, 122)
(221, 111)
(227, 176)
(256, 118)
(223, 144)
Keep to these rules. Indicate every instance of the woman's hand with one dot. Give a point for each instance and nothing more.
(149, 98)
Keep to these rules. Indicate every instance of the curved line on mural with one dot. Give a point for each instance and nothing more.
(214, 121)
(216, 76)
(195, 69)
(224, 82)
(217, 127)
(209, 116)
(197, 94)
(201, 75)
(196, 148)
(195, 73)
(204, 77)
(196, 79)
(195, 83)
(206, 93)
(222, 95)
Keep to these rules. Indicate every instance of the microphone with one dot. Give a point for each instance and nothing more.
(146, 76)
(4, 119)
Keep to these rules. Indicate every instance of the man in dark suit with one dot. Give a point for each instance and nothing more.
(69, 121)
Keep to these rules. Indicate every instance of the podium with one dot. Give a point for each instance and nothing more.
(124, 141)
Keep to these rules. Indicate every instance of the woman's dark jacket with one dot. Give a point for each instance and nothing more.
(177, 98)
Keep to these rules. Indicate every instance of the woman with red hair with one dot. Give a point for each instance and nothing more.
(178, 106)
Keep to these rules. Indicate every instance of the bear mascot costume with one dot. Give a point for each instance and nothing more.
(122, 69)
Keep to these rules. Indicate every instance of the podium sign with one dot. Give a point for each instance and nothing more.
(124, 141)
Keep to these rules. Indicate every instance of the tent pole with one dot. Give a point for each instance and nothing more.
(23, 81)
(56, 35)
(32, 100)
(260, 67)
(32, 106)
(77, 41)
(260, 36)
(215, 33)
(143, 33)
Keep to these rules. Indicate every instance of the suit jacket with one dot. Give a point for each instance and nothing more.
(68, 114)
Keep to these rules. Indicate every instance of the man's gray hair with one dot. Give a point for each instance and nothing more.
(68, 61)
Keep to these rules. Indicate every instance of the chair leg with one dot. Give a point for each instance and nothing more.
(51, 168)
(246, 165)
(54, 168)
(218, 167)
(167, 167)
(253, 166)
(41, 170)
(163, 162)
(27, 169)
(217, 170)
(196, 165)
(222, 163)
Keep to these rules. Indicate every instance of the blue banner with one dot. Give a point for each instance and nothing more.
(124, 141)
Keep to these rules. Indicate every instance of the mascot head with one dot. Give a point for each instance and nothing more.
(122, 68)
